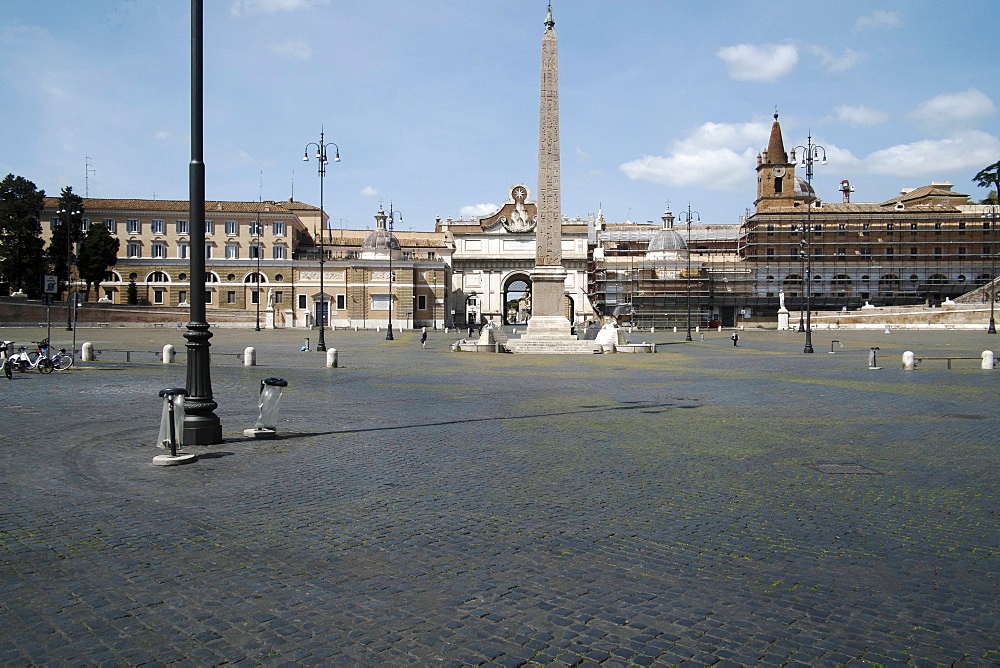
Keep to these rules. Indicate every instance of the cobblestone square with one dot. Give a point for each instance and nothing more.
(425, 507)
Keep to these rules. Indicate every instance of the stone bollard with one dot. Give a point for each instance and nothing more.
(168, 354)
(988, 359)
(249, 356)
(908, 360)
(675, 330)
(888, 328)
(87, 352)
(331, 358)
(697, 328)
(652, 330)
(720, 328)
(355, 328)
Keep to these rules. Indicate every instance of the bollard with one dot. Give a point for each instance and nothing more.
(249, 356)
(331, 358)
(171, 434)
(908, 363)
(87, 352)
(872, 363)
(988, 359)
(703, 336)
(697, 328)
(675, 330)
(652, 330)
(168, 354)
(832, 351)
(888, 329)
(267, 405)
(305, 346)
(355, 328)
(720, 328)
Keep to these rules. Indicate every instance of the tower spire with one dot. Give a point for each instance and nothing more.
(776, 145)
(549, 22)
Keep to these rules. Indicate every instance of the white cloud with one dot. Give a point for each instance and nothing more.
(759, 62)
(946, 110)
(968, 150)
(476, 210)
(717, 156)
(878, 19)
(839, 62)
(860, 116)
(271, 6)
(368, 191)
(296, 48)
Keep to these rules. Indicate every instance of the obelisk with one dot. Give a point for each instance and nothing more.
(548, 278)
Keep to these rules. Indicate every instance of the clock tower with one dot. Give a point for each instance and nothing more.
(775, 174)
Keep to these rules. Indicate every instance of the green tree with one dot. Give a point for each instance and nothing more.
(989, 177)
(132, 294)
(22, 250)
(98, 253)
(66, 235)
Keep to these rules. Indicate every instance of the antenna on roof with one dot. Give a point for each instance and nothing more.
(86, 179)
(292, 197)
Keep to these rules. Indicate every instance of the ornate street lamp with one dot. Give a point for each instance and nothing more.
(688, 218)
(810, 153)
(390, 223)
(993, 218)
(201, 424)
(258, 230)
(68, 220)
(321, 158)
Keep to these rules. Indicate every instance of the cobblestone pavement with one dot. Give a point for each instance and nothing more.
(425, 507)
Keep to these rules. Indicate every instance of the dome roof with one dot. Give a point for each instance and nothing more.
(666, 240)
(380, 240)
(802, 188)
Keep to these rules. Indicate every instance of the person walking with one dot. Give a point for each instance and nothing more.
(423, 339)
(735, 337)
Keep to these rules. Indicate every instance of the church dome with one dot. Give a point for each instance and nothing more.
(380, 240)
(666, 240)
(802, 188)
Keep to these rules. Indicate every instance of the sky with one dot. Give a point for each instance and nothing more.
(434, 104)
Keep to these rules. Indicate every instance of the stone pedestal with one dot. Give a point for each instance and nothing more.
(782, 318)
(269, 318)
(548, 298)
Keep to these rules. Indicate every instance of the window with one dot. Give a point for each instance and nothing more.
(111, 225)
(986, 224)
(209, 227)
(109, 294)
(380, 302)
(867, 250)
(937, 228)
(182, 251)
(818, 228)
(421, 302)
(841, 251)
(341, 302)
(181, 227)
(841, 229)
(254, 250)
(158, 295)
(54, 223)
(133, 249)
(961, 227)
(865, 228)
(431, 255)
(770, 252)
(85, 225)
(232, 251)
(208, 296)
(208, 250)
(158, 277)
(794, 229)
(987, 250)
(278, 228)
(279, 251)
(890, 227)
(232, 227)
(817, 251)
(913, 250)
(231, 296)
(157, 226)
(132, 226)
(961, 250)
(889, 251)
(913, 228)
(256, 228)
(182, 296)
(937, 250)
(302, 301)
(279, 297)
(158, 250)
(255, 296)
(770, 229)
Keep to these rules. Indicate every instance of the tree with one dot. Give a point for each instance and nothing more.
(98, 253)
(989, 177)
(66, 235)
(132, 294)
(22, 250)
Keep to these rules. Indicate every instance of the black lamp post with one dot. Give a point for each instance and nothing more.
(993, 217)
(811, 152)
(389, 239)
(688, 218)
(321, 158)
(257, 278)
(201, 424)
(68, 219)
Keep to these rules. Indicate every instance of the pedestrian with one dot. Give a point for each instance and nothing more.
(423, 339)
(735, 337)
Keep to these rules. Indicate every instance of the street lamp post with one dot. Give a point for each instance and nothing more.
(68, 219)
(321, 153)
(810, 153)
(390, 222)
(993, 217)
(257, 326)
(688, 218)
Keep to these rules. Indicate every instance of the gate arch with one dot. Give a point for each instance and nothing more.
(516, 299)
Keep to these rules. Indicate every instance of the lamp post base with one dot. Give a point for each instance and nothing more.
(809, 343)
(992, 329)
(388, 333)
(321, 343)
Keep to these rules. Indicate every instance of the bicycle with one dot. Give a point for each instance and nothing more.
(61, 360)
(23, 361)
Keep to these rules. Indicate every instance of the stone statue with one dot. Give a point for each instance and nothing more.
(781, 299)
(270, 297)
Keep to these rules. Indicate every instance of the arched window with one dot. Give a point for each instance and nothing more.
(112, 277)
(937, 279)
(211, 277)
(158, 277)
(254, 277)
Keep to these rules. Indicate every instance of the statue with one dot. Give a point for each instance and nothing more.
(270, 297)
(781, 300)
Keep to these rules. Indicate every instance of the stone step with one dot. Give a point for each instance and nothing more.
(537, 347)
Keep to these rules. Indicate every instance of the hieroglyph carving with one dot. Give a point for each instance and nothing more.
(548, 251)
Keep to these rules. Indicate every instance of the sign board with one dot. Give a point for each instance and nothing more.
(50, 285)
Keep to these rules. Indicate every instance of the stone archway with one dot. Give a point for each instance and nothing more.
(516, 299)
